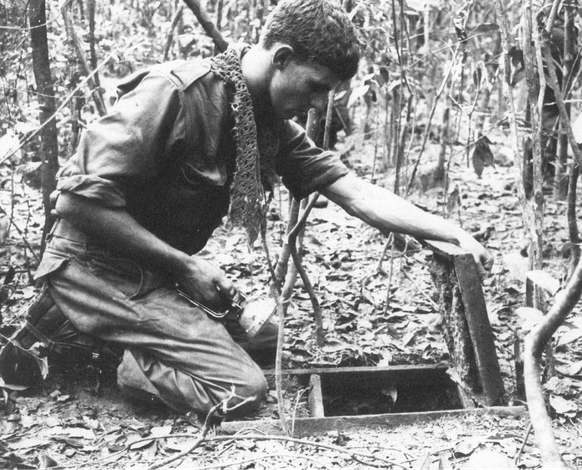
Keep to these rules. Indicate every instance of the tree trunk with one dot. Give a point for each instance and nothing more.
(91, 37)
(534, 199)
(49, 148)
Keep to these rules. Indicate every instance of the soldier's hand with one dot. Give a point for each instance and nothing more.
(207, 284)
(483, 259)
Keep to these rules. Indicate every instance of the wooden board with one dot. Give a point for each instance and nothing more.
(314, 426)
(468, 331)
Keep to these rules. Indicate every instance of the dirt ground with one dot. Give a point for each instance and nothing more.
(78, 419)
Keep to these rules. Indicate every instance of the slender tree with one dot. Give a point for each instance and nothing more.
(46, 99)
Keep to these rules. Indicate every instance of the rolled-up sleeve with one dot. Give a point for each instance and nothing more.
(127, 146)
(304, 167)
(93, 187)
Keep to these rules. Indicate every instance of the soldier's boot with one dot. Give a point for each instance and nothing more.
(47, 334)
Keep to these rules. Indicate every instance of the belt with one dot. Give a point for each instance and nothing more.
(64, 229)
(67, 241)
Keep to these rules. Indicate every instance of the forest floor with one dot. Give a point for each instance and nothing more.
(78, 419)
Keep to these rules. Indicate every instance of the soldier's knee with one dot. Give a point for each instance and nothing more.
(249, 395)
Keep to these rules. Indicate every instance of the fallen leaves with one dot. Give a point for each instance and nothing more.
(563, 406)
(341, 256)
(487, 460)
(562, 392)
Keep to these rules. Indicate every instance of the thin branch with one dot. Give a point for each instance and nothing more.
(21, 233)
(504, 31)
(512, 116)
(292, 237)
(269, 260)
(552, 16)
(29, 28)
(553, 83)
(76, 42)
(281, 310)
(560, 190)
(390, 242)
(399, 48)
(328, 118)
(170, 39)
(300, 393)
(59, 109)
(573, 219)
(404, 128)
(300, 226)
(283, 266)
(93, 52)
(535, 343)
(207, 24)
(438, 94)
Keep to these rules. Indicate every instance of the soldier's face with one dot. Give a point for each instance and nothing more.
(297, 86)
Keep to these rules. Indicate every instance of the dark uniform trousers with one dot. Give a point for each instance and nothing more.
(173, 350)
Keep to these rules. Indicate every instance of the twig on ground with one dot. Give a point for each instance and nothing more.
(525, 438)
(224, 405)
(353, 455)
(356, 456)
(408, 456)
(259, 457)
(423, 293)
(299, 395)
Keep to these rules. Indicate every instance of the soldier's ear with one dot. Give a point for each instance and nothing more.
(281, 56)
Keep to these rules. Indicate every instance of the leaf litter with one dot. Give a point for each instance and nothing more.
(67, 422)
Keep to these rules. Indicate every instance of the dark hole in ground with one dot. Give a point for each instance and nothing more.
(368, 392)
